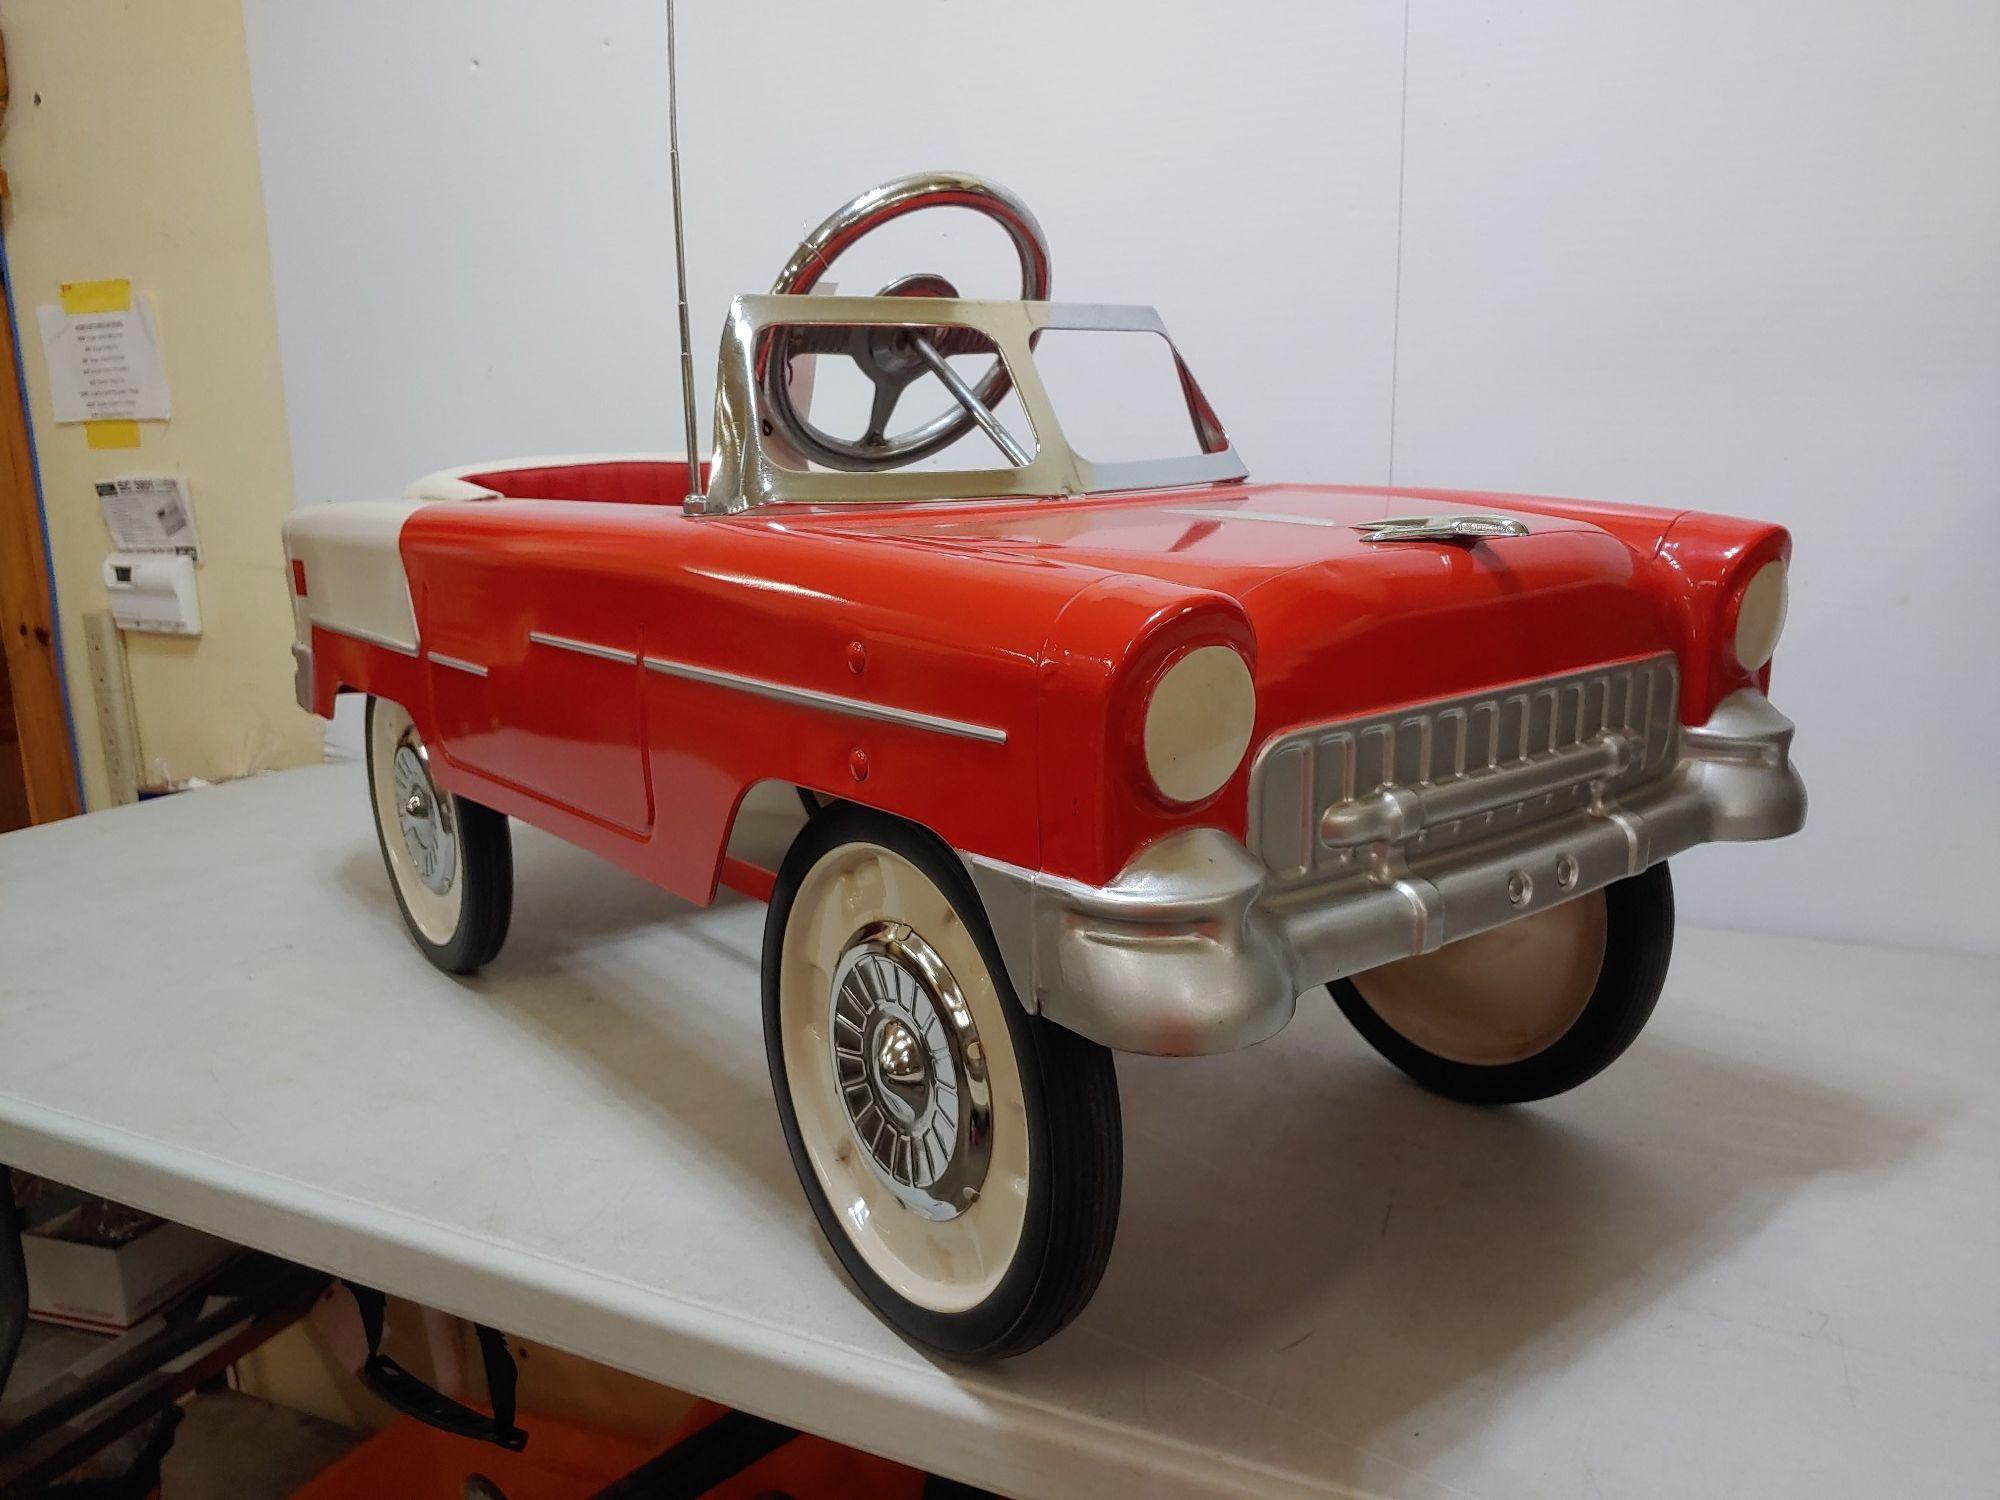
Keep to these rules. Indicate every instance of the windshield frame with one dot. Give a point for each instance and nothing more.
(746, 473)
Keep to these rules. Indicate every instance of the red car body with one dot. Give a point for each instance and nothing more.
(1041, 758)
(1046, 621)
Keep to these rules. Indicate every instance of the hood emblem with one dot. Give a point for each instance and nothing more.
(1464, 530)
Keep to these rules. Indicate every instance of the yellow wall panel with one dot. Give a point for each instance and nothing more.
(131, 153)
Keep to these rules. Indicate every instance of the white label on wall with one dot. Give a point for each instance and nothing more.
(150, 514)
(104, 366)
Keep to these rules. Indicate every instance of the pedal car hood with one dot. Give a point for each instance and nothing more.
(1342, 623)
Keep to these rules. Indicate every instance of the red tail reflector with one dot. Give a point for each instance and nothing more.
(298, 578)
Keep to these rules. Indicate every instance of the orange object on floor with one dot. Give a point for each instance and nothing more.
(808, 1468)
(415, 1462)
(562, 1462)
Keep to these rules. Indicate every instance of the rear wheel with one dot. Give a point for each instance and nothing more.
(451, 861)
(1527, 1010)
(962, 1157)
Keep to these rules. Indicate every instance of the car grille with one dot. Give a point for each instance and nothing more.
(1328, 799)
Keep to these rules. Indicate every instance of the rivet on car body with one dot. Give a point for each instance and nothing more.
(1519, 887)
(857, 764)
(1565, 871)
(857, 657)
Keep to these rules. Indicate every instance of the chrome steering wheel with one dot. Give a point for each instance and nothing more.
(893, 358)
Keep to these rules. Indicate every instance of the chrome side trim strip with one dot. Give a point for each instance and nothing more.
(440, 659)
(585, 648)
(831, 702)
(366, 637)
(1231, 513)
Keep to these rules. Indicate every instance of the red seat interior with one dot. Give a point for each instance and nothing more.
(629, 481)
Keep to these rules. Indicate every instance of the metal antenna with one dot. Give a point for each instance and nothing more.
(694, 495)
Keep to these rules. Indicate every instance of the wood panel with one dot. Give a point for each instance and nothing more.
(13, 782)
(27, 617)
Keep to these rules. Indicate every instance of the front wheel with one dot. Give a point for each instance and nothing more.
(1528, 1010)
(963, 1157)
(451, 862)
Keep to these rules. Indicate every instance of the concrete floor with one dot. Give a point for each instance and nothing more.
(228, 1446)
(235, 1447)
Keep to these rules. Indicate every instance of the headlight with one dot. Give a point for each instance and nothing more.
(1760, 617)
(1198, 723)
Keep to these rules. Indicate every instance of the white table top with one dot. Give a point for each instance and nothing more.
(1759, 1257)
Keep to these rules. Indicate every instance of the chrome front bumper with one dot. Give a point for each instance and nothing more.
(1194, 948)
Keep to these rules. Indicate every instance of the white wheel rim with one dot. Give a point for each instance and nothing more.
(1501, 996)
(943, 1264)
(419, 824)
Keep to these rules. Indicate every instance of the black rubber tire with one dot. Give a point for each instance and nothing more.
(1070, 1090)
(1638, 943)
(486, 866)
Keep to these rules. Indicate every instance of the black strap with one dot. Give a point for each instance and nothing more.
(417, 1398)
(703, 1459)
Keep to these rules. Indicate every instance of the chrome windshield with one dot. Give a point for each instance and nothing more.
(751, 466)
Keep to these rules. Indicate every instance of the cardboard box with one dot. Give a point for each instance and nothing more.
(114, 1287)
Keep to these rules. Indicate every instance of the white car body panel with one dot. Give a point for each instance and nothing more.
(355, 583)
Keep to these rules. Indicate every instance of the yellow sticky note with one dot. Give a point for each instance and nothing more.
(112, 434)
(96, 296)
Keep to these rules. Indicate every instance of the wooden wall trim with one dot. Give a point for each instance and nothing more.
(27, 614)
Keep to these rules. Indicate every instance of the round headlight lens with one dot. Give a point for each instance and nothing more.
(1760, 617)
(1198, 723)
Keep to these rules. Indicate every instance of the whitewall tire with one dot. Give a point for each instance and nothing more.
(1527, 1010)
(450, 861)
(962, 1156)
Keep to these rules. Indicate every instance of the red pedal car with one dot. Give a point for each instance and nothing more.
(1037, 757)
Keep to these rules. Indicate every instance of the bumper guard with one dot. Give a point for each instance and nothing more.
(1187, 952)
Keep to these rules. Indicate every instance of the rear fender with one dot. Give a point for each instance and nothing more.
(351, 604)
(342, 664)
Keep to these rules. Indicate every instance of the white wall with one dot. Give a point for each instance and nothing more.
(1747, 258)
(468, 201)
(1738, 257)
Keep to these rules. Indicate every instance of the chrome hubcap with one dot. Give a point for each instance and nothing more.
(902, 1069)
(911, 1072)
(423, 817)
